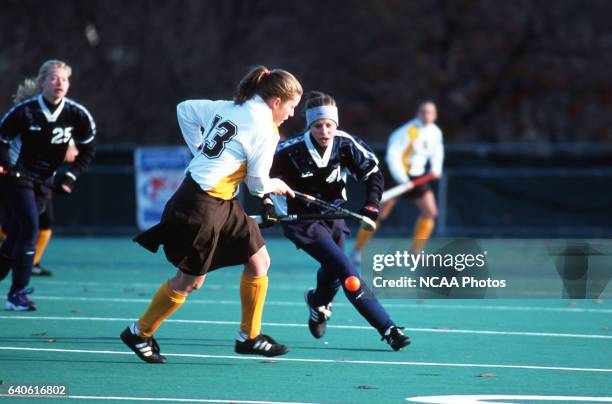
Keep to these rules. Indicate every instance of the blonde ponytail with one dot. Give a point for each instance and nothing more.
(27, 89)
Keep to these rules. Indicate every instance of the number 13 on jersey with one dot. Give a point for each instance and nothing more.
(215, 142)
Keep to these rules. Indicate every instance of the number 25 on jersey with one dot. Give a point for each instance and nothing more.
(61, 135)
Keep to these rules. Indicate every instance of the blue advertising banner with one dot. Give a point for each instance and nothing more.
(158, 173)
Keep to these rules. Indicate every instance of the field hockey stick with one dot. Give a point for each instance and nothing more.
(366, 222)
(303, 216)
(19, 174)
(403, 188)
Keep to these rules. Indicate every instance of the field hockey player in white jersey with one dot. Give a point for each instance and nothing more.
(203, 227)
(413, 150)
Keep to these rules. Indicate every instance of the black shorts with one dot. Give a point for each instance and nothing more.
(201, 233)
(414, 193)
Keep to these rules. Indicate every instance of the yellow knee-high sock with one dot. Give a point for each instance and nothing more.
(41, 244)
(253, 296)
(364, 236)
(422, 230)
(165, 302)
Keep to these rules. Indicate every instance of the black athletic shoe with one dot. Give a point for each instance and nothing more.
(39, 270)
(318, 316)
(396, 338)
(260, 345)
(146, 348)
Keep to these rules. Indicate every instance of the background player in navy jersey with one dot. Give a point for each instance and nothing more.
(26, 90)
(318, 162)
(40, 128)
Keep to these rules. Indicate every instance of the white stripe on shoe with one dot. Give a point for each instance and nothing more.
(262, 345)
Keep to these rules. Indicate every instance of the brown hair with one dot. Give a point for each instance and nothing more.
(267, 84)
(318, 99)
(31, 87)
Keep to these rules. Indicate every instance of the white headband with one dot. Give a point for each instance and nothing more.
(324, 112)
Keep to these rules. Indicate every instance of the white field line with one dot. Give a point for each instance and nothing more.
(321, 361)
(387, 303)
(484, 399)
(162, 399)
(232, 284)
(302, 325)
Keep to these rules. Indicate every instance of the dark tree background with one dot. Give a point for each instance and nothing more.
(501, 71)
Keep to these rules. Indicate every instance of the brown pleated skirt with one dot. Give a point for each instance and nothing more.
(201, 233)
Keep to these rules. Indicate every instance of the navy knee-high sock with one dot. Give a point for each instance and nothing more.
(23, 227)
(327, 287)
(370, 308)
(336, 265)
(22, 268)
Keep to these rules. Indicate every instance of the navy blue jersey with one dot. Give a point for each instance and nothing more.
(298, 162)
(39, 138)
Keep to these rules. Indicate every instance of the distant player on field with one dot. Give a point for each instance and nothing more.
(26, 90)
(411, 148)
(318, 163)
(38, 131)
(203, 226)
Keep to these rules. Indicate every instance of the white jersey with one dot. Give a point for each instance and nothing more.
(411, 146)
(231, 144)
